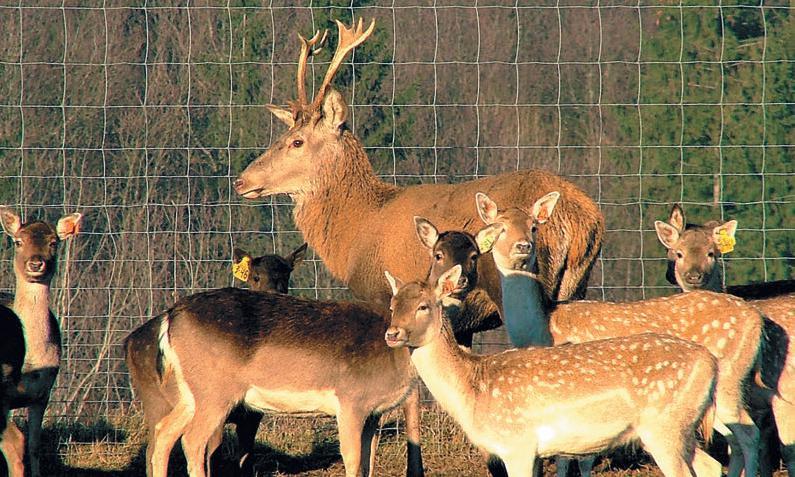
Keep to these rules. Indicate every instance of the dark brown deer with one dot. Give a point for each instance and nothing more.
(692, 252)
(35, 258)
(12, 357)
(280, 353)
(579, 399)
(264, 273)
(728, 327)
(339, 201)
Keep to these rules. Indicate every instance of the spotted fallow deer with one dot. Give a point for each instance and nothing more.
(263, 273)
(728, 327)
(339, 200)
(579, 399)
(12, 357)
(35, 258)
(692, 264)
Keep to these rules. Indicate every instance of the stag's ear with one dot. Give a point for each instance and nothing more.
(448, 282)
(487, 208)
(668, 234)
(68, 226)
(284, 115)
(544, 206)
(427, 232)
(677, 217)
(296, 256)
(10, 220)
(335, 110)
(394, 283)
(487, 236)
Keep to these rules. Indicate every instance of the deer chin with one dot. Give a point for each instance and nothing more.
(254, 193)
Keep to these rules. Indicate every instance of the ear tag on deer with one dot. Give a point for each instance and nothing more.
(242, 269)
(725, 242)
(485, 243)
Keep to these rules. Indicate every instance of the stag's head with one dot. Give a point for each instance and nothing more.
(316, 130)
(36, 244)
(693, 250)
(511, 233)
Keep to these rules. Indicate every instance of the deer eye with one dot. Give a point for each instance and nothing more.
(438, 257)
(17, 243)
(711, 254)
(680, 255)
(256, 278)
(534, 228)
(298, 143)
(473, 257)
(422, 307)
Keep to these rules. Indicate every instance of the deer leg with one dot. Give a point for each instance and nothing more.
(166, 433)
(411, 413)
(768, 442)
(35, 419)
(350, 424)
(247, 428)
(747, 438)
(562, 466)
(705, 466)
(212, 447)
(520, 465)
(12, 444)
(207, 421)
(155, 409)
(784, 413)
(672, 456)
(369, 445)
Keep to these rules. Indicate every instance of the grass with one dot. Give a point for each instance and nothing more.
(293, 446)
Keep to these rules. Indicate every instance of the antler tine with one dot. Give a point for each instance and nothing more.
(349, 38)
(307, 51)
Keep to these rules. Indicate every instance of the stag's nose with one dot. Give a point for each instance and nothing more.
(523, 247)
(694, 277)
(238, 184)
(35, 265)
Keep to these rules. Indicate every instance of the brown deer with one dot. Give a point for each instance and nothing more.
(35, 258)
(728, 327)
(337, 364)
(340, 201)
(692, 251)
(579, 399)
(12, 357)
(264, 273)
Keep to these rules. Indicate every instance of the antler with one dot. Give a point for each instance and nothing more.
(307, 51)
(349, 38)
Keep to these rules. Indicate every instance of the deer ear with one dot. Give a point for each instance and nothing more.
(239, 254)
(677, 217)
(10, 220)
(544, 206)
(335, 110)
(296, 256)
(394, 283)
(487, 236)
(283, 115)
(448, 282)
(723, 235)
(667, 233)
(487, 208)
(68, 226)
(427, 232)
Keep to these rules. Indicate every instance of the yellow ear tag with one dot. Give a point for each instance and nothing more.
(242, 269)
(485, 244)
(725, 242)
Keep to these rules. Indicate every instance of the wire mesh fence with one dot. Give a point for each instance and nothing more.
(140, 114)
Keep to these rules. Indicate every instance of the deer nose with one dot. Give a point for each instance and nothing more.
(392, 335)
(238, 184)
(523, 247)
(694, 277)
(35, 265)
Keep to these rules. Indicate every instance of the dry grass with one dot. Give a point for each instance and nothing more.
(293, 446)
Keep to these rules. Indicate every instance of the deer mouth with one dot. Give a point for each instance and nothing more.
(253, 193)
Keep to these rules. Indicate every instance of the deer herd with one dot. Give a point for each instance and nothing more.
(432, 265)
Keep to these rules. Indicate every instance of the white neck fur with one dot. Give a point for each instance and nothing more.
(32, 305)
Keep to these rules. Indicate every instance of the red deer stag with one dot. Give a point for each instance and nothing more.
(578, 399)
(692, 253)
(264, 273)
(340, 201)
(729, 328)
(12, 357)
(337, 364)
(35, 258)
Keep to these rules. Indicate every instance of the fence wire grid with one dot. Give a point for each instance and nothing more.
(140, 114)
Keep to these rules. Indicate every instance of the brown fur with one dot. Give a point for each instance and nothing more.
(12, 355)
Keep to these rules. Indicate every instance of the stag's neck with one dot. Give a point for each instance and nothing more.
(449, 373)
(525, 319)
(344, 198)
(32, 305)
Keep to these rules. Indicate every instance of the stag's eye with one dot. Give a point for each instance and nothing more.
(298, 143)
